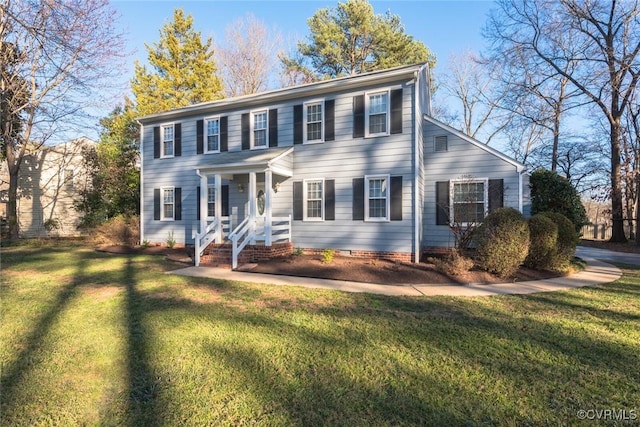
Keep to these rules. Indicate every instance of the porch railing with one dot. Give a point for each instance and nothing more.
(209, 235)
(248, 232)
(240, 237)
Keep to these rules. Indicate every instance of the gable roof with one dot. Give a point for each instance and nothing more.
(520, 167)
(309, 89)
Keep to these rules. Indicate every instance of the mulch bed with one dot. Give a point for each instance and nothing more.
(348, 268)
(382, 271)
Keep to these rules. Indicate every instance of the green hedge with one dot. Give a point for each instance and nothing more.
(502, 242)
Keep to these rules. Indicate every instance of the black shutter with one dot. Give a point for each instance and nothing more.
(297, 124)
(298, 200)
(177, 139)
(442, 203)
(496, 194)
(358, 116)
(198, 217)
(329, 120)
(156, 204)
(396, 198)
(177, 193)
(156, 142)
(246, 132)
(358, 199)
(396, 111)
(225, 200)
(329, 200)
(200, 136)
(273, 127)
(224, 133)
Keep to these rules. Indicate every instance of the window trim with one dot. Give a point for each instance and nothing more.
(305, 192)
(305, 131)
(252, 115)
(367, 113)
(206, 135)
(367, 179)
(211, 186)
(163, 155)
(452, 202)
(162, 204)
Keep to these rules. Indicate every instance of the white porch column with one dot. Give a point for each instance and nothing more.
(268, 177)
(252, 204)
(218, 207)
(203, 202)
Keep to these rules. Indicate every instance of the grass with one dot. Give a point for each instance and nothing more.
(99, 339)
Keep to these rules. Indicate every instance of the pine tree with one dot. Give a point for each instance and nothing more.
(183, 69)
(352, 39)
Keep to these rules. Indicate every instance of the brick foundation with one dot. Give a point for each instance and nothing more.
(220, 255)
(390, 256)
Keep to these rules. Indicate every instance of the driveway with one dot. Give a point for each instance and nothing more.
(607, 255)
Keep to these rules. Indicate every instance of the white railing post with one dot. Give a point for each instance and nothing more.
(268, 177)
(218, 207)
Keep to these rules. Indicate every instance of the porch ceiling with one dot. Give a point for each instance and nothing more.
(250, 161)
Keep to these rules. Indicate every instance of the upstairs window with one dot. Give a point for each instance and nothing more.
(213, 135)
(168, 139)
(377, 116)
(314, 122)
(441, 144)
(260, 130)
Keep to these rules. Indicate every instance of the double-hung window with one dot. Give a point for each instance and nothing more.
(260, 129)
(168, 140)
(314, 116)
(168, 203)
(314, 200)
(377, 198)
(213, 135)
(470, 201)
(377, 117)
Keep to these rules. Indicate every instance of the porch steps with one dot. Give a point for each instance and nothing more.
(217, 256)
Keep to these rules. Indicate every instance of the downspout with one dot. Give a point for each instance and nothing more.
(521, 171)
(140, 151)
(417, 116)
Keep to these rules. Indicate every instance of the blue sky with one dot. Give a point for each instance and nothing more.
(446, 27)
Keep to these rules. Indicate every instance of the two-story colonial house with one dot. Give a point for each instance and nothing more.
(356, 164)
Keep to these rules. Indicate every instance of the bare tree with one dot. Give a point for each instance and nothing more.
(472, 83)
(602, 39)
(249, 56)
(55, 57)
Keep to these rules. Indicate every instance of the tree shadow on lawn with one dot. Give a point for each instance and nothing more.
(452, 353)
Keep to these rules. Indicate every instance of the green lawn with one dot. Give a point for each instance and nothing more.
(96, 339)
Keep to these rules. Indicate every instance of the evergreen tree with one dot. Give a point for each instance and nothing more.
(115, 177)
(352, 39)
(551, 192)
(183, 69)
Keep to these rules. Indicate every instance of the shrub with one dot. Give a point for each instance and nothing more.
(171, 241)
(453, 264)
(120, 230)
(327, 256)
(502, 242)
(567, 239)
(543, 237)
(551, 192)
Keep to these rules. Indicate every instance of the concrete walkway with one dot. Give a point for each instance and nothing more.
(596, 272)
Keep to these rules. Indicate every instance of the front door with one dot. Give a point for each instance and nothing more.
(260, 199)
